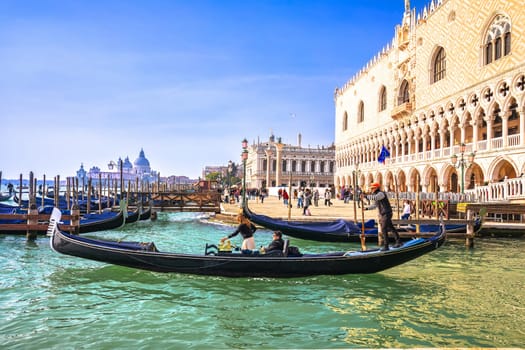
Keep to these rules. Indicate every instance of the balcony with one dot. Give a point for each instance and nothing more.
(401, 111)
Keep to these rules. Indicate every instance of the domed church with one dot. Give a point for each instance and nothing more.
(141, 164)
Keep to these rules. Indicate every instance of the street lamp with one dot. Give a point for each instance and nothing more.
(463, 163)
(112, 165)
(230, 169)
(355, 175)
(244, 158)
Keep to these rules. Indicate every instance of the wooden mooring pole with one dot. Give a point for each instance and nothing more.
(469, 240)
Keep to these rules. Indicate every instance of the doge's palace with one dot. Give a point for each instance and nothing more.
(446, 98)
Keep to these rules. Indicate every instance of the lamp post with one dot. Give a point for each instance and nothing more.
(230, 169)
(244, 158)
(355, 175)
(112, 165)
(463, 163)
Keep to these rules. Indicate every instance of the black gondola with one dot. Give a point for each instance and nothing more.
(234, 264)
(341, 230)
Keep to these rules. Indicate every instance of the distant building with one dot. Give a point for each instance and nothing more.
(273, 164)
(140, 169)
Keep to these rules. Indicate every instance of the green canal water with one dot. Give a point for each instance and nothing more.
(453, 297)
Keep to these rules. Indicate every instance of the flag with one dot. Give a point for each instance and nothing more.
(383, 155)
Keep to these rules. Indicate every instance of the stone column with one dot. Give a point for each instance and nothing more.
(505, 128)
(268, 167)
(522, 126)
(279, 147)
(489, 133)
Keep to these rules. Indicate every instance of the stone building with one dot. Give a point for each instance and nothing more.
(449, 87)
(271, 163)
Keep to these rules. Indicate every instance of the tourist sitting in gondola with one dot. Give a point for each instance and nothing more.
(246, 229)
(277, 243)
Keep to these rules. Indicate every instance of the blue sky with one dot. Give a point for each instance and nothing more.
(89, 81)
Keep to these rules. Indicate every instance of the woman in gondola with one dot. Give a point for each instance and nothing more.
(246, 228)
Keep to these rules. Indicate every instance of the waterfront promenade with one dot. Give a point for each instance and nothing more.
(275, 208)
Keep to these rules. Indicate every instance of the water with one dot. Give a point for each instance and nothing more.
(453, 297)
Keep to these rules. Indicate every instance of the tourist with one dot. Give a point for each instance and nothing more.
(357, 196)
(262, 194)
(327, 197)
(300, 198)
(277, 243)
(385, 214)
(226, 196)
(246, 229)
(316, 197)
(407, 210)
(286, 197)
(307, 202)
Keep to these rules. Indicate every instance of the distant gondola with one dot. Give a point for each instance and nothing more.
(234, 264)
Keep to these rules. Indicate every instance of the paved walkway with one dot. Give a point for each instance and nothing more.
(276, 209)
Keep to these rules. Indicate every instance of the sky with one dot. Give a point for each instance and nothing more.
(89, 81)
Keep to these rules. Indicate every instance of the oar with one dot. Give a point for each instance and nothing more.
(362, 236)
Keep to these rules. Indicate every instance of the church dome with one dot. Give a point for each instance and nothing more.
(141, 161)
(127, 164)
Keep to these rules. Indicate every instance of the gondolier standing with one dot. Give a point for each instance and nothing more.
(385, 214)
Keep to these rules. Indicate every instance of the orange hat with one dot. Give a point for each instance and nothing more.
(375, 185)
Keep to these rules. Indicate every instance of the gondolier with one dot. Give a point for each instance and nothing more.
(385, 214)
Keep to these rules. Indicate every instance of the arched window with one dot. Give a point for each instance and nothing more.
(439, 65)
(361, 112)
(497, 40)
(284, 165)
(382, 98)
(404, 95)
(294, 165)
(345, 122)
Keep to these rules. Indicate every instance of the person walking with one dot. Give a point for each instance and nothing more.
(385, 214)
(407, 210)
(286, 197)
(307, 202)
(327, 197)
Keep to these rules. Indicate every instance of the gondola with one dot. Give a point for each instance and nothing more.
(214, 262)
(133, 216)
(341, 230)
(145, 214)
(106, 220)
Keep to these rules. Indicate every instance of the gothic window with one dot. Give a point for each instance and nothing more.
(439, 65)
(382, 99)
(345, 122)
(497, 40)
(404, 95)
(361, 112)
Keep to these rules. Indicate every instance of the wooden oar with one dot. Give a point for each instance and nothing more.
(362, 236)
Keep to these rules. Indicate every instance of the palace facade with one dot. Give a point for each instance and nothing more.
(446, 98)
(272, 164)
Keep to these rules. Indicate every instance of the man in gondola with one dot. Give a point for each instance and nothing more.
(277, 243)
(385, 214)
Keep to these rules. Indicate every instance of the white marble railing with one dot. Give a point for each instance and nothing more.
(500, 191)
